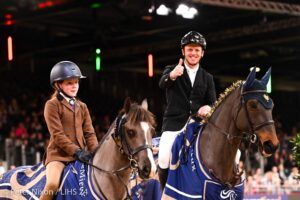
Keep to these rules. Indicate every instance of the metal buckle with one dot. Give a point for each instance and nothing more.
(253, 138)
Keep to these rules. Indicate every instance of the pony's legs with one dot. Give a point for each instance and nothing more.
(54, 170)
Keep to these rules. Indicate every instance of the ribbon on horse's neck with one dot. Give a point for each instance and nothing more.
(118, 133)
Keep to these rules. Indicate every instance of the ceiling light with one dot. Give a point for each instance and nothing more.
(188, 15)
(257, 69)
(151, 9)
(163, 10)
(182, 8)
(186, 12)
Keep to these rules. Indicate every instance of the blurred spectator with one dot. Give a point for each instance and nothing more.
(13, 107)
(2, 169)
(251, 185)
(258, 176)
(12, 167)
(271, 182)
(282, 173)
(292, 184)
(292, 177)
(35, 125)
(21, 131)
(289, 162)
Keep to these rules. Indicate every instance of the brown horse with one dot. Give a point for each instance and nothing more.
(125, 148)
(243, 111)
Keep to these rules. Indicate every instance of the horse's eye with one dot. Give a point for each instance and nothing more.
(131, 133)
(253, 104)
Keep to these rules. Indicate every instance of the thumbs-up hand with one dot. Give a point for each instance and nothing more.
(178, 70)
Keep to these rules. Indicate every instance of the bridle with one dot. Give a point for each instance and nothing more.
(120, 140)
(253, 127)
(251, 134)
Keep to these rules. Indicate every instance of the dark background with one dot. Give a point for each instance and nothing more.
(46, 32)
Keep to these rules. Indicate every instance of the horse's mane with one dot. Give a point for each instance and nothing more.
(223, 96)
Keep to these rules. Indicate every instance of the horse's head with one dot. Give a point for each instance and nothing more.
(135, 126)
(258, 106)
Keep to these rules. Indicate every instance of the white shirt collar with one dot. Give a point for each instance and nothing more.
(191, 70)
(67, 98)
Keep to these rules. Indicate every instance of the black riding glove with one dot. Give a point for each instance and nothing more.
(82, 155)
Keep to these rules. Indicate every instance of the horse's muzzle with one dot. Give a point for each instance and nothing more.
(269, 148)
(145, 171)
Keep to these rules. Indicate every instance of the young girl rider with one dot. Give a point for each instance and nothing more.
(69, 124)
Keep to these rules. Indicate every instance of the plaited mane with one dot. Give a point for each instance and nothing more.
(223, 96)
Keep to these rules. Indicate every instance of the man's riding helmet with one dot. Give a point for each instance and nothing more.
(64, 70)
(193, 37)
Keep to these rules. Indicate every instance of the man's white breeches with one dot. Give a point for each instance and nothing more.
(165, 146)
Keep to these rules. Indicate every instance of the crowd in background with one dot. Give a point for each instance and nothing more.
(23, 129)
(23, 132)
(277, 173)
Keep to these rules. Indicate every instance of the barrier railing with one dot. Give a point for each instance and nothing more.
(17, 153)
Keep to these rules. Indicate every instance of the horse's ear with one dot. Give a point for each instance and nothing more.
(266, 77)
(127, 104)
(250, 79)
(145, 104)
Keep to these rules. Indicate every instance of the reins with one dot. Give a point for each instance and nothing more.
(249, 136)
(253, 128)
(120, 141)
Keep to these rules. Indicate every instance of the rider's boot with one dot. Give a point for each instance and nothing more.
(163, 176)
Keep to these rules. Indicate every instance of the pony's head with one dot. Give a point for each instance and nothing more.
(135, 127)
(257, 109)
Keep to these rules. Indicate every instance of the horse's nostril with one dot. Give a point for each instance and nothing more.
(269, 147)
(147, 170)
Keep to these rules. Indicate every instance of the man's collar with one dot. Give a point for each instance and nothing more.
(188, 68)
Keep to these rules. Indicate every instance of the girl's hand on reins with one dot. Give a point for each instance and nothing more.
(82, 155)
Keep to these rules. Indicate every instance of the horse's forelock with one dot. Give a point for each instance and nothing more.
(138, 114)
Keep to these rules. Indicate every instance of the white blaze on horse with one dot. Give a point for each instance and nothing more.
(203, 156)
(126, 148)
